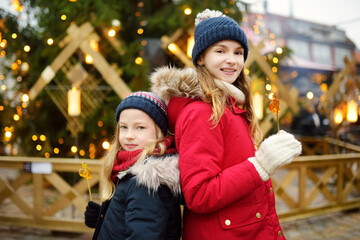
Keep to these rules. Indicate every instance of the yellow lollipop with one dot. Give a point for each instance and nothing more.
(274, 106)
(85, 172)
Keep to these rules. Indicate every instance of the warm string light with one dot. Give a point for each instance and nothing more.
(259, 28)
(187, 11)
(50, 41)
(140, 31)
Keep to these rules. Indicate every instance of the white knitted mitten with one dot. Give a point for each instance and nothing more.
(274, 152)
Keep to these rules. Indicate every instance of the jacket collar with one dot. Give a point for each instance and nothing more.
(178, 87)
(169, 82)
(156, 171)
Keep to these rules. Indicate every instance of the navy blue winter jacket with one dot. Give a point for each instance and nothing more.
(145, 204)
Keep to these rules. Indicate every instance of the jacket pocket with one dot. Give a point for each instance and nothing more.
(240, 215)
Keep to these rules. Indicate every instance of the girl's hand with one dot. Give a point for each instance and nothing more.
(274, 152)
(91, 214)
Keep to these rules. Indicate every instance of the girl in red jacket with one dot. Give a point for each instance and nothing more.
(224, 179)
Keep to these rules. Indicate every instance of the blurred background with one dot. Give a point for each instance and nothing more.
(66, 64)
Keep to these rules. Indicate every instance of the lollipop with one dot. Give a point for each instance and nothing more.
(274, 106)
(84, 172)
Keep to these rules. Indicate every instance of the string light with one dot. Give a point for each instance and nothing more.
(3, 43)
(187, 11)
(16, 117)
(115, 23)
(309, 95)
(56, 150)
(89, 59)
(94, 45)
(50, 41)
(82, 152)
(139, 60)
(100, 123)
(105, 144)
(73, 149)
(42, 138)
(268, 87)
(25, 98)
(38, 147)
(140, 31)
(8, 134)
(27, 48)
(279, 50)
(111, 32)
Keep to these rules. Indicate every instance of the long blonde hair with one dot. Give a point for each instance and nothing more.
(108, 188)
(217, 99)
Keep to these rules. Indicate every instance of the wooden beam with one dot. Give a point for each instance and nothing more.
(284, 92)
(78, 36)
(107, 72)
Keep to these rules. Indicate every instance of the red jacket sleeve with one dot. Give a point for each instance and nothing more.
(208, 186)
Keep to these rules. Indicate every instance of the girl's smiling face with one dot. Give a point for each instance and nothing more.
(137, 129)
(224, 60)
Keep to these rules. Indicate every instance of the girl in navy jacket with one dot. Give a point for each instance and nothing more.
(141, 175)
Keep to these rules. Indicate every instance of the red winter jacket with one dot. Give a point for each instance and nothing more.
(225, 196)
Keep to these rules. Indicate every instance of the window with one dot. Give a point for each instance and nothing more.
(300, 48)
(340, 53)
(322, 53)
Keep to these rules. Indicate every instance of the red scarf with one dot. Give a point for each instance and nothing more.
(126, 159)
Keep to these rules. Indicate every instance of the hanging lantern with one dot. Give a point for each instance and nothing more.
(338, 115)
(258, 104)
(74, 102)
(190, 46)
(352, 111)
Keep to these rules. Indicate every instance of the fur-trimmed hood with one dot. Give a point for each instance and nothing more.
(155, 171)
(168, 82)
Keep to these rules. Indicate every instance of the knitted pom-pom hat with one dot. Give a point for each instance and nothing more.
(212, 27)
(150, 104)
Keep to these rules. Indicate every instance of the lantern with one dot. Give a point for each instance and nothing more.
(258, 105)
(352, 111)
(190, 46)
(74, 102)
(338, 115)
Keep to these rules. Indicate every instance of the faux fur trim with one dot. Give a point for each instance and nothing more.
(168, 82)
(156, 171)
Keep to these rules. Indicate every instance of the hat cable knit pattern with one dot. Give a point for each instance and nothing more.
(212, 27)
(150, 104)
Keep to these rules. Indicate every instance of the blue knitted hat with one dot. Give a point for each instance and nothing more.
(212, 27)
(150, 104)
